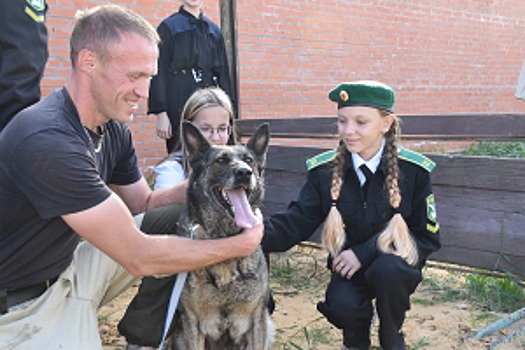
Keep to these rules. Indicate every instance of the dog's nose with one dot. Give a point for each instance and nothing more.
(243, 173)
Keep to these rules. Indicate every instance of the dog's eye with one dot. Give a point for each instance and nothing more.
(248, 160)
(223, 159)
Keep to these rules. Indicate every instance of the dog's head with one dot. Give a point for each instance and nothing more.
(225, 183)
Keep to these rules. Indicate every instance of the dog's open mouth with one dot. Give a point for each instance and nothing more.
(235, 201)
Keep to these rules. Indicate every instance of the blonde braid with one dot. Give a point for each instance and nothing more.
(333, 235)
(396, 238)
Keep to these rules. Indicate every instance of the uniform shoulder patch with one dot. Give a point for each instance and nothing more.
(37, 5)
(36, 10)
(321, 158)
(416, 158)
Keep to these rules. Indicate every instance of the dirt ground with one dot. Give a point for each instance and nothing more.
(298, 280)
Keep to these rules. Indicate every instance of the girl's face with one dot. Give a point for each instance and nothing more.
(214, 123)
(362, 129)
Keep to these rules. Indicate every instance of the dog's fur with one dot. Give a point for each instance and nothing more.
(224, 306)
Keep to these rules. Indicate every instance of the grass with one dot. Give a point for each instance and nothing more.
(492, 293)
(496, 149)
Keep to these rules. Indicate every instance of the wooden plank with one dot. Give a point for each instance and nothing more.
(451, 170)
(453, 126)
(291, 159)
(228, 10)
(471, 222)
(479, 259)
(478, 172)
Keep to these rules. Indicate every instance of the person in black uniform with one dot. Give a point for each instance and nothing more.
(23, 55)
(192, 55)
(380, 225)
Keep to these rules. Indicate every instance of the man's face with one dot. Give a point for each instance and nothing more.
(122, 80)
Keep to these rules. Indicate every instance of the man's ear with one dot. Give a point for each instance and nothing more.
(87, 61)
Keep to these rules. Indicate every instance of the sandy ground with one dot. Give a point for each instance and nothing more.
(432, 323)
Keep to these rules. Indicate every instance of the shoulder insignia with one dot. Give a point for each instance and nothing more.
(319, 159)
(35, 10)
(37, 5)
(416, 158)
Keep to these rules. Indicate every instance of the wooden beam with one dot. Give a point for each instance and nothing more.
(228, 9)
(445, 126)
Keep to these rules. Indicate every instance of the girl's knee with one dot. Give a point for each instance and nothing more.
(346, 311)
(390, 269)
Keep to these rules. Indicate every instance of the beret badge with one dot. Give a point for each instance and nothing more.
(343, 95)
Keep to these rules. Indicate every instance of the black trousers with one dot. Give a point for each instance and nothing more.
(143, 321)
(348, 305)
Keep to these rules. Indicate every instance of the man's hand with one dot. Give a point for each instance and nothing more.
(163, 126)
(253, 236)
(346, 264)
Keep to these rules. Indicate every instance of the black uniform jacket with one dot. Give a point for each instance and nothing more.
(23, 55)
(364, 218)
(192, 55)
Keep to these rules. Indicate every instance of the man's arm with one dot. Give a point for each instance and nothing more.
(139, 197)
(110, 227)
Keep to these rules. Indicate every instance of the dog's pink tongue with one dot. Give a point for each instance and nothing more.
(244, 216)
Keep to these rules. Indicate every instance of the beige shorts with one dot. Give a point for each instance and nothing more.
(65, 316)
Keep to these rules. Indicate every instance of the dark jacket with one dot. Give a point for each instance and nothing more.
(192, 55)
(23, 55)
(364, 218)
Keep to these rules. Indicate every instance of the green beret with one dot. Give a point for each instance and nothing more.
(363, 93)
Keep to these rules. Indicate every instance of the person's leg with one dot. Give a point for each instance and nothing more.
(143, 321)
(65, 316)
(393, 281)
(348, 307)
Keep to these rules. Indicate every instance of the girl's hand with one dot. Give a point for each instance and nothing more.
(346, 264)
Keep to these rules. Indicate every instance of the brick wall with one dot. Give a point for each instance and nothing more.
(440, 56)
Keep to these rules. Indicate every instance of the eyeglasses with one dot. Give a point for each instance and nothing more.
(221, 131)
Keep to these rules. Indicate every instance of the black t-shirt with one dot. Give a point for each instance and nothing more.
(49, 167)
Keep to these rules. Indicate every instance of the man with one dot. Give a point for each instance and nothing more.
(192, 56)
(23, 55)
(68, 170)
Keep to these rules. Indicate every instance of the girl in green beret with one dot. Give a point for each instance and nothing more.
(375, 200)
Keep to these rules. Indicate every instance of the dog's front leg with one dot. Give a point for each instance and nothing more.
(262, 331)
(192, 338)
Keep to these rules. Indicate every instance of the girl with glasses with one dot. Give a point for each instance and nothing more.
(210, 110)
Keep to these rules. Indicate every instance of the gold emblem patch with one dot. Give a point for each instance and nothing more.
(344, 96)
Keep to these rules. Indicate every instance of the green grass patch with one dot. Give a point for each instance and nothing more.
(496, 149)
(501, 294)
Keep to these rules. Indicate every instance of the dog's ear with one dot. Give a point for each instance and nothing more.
(194, 142)
(260, 141)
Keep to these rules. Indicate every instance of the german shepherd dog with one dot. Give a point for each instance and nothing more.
(224, 306)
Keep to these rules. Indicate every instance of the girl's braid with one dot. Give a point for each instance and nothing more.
(392, 183)
(333, 235)
(396, 238)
